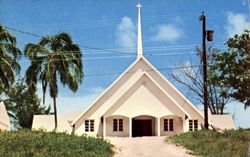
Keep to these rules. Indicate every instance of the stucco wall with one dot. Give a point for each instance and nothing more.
(4, 118)
(80, 128)
(109, 127)
(144, 98)
(133, 95)
(177, 123)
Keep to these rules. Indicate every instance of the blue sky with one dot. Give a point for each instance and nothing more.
(170, 29)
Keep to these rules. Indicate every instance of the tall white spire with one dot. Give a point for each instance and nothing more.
(139, 35)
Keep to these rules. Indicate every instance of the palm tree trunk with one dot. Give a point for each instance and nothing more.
(55, 113)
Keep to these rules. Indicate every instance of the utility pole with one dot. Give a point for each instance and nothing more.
(249, 8)
(204, 59)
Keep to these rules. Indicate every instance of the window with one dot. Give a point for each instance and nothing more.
(120, 125)
(171, 125)
(117, 124)
(168, 125)
(89, 125)
(114, 124)
(165, 124)
(190, 125)
(193, 125)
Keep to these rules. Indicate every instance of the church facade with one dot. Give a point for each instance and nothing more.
(140, 102)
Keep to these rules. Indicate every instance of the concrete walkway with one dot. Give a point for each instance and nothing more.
(146, 147)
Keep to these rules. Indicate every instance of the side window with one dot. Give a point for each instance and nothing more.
(171, 125)
(92, 122)
(117, 125)
(89, 125)
(120, 124)
(168, 124)
(86, 125)
(193, 125)
(114, 124)
(165, 124)
(190, 125)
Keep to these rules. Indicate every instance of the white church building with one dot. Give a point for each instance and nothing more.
(4, 118)
(140, 102)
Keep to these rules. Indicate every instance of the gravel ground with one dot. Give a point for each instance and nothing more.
(146, 147)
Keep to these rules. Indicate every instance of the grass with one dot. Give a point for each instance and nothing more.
(50, 144)
(207, 143)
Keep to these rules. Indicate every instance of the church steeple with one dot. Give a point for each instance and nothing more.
(139, 35)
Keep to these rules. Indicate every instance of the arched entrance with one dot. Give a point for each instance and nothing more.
(143, 126)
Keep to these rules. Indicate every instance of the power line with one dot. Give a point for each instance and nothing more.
(24, 32)
(106, 57)
(109, 21)
(159, 69)
(249, 8)
(195, 78)
(112, 50)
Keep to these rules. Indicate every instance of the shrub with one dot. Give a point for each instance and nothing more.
(232, 143)
(50, 144)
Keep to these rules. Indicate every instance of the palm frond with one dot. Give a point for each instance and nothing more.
(32, 51)
(64, 37)
(6, 36)
(11, 49)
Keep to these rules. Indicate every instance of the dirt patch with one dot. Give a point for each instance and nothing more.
(146, 147)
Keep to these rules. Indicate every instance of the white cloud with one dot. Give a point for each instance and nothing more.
(241, 116)
(126, 33)
(77, 103)
(167, 32)
(237, 23)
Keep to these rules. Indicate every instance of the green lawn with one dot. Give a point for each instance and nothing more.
(233, 143)
(43, 144)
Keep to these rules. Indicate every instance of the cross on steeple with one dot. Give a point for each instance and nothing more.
(139, 35)
(138, 5)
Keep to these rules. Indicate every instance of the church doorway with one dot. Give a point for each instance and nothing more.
(143, 126)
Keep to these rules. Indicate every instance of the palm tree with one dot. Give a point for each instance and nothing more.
(8, 59)
(54, 57)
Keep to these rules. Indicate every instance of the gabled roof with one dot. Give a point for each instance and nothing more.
(105, 91)
(145, 74)
(186, 101)
(185, 105)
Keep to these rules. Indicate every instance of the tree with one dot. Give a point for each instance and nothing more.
(232, 67)
(53, 57)
(8, 59)
(22, 104)
(191, 77)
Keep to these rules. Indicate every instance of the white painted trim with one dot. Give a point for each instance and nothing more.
(104, 127)
(126, 71)
(159, 126)
(104, 92)
(139, 34)
(172, 86)
(163, 91)
(130, 127)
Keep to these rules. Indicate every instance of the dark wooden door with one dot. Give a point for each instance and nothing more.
(141, 128)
